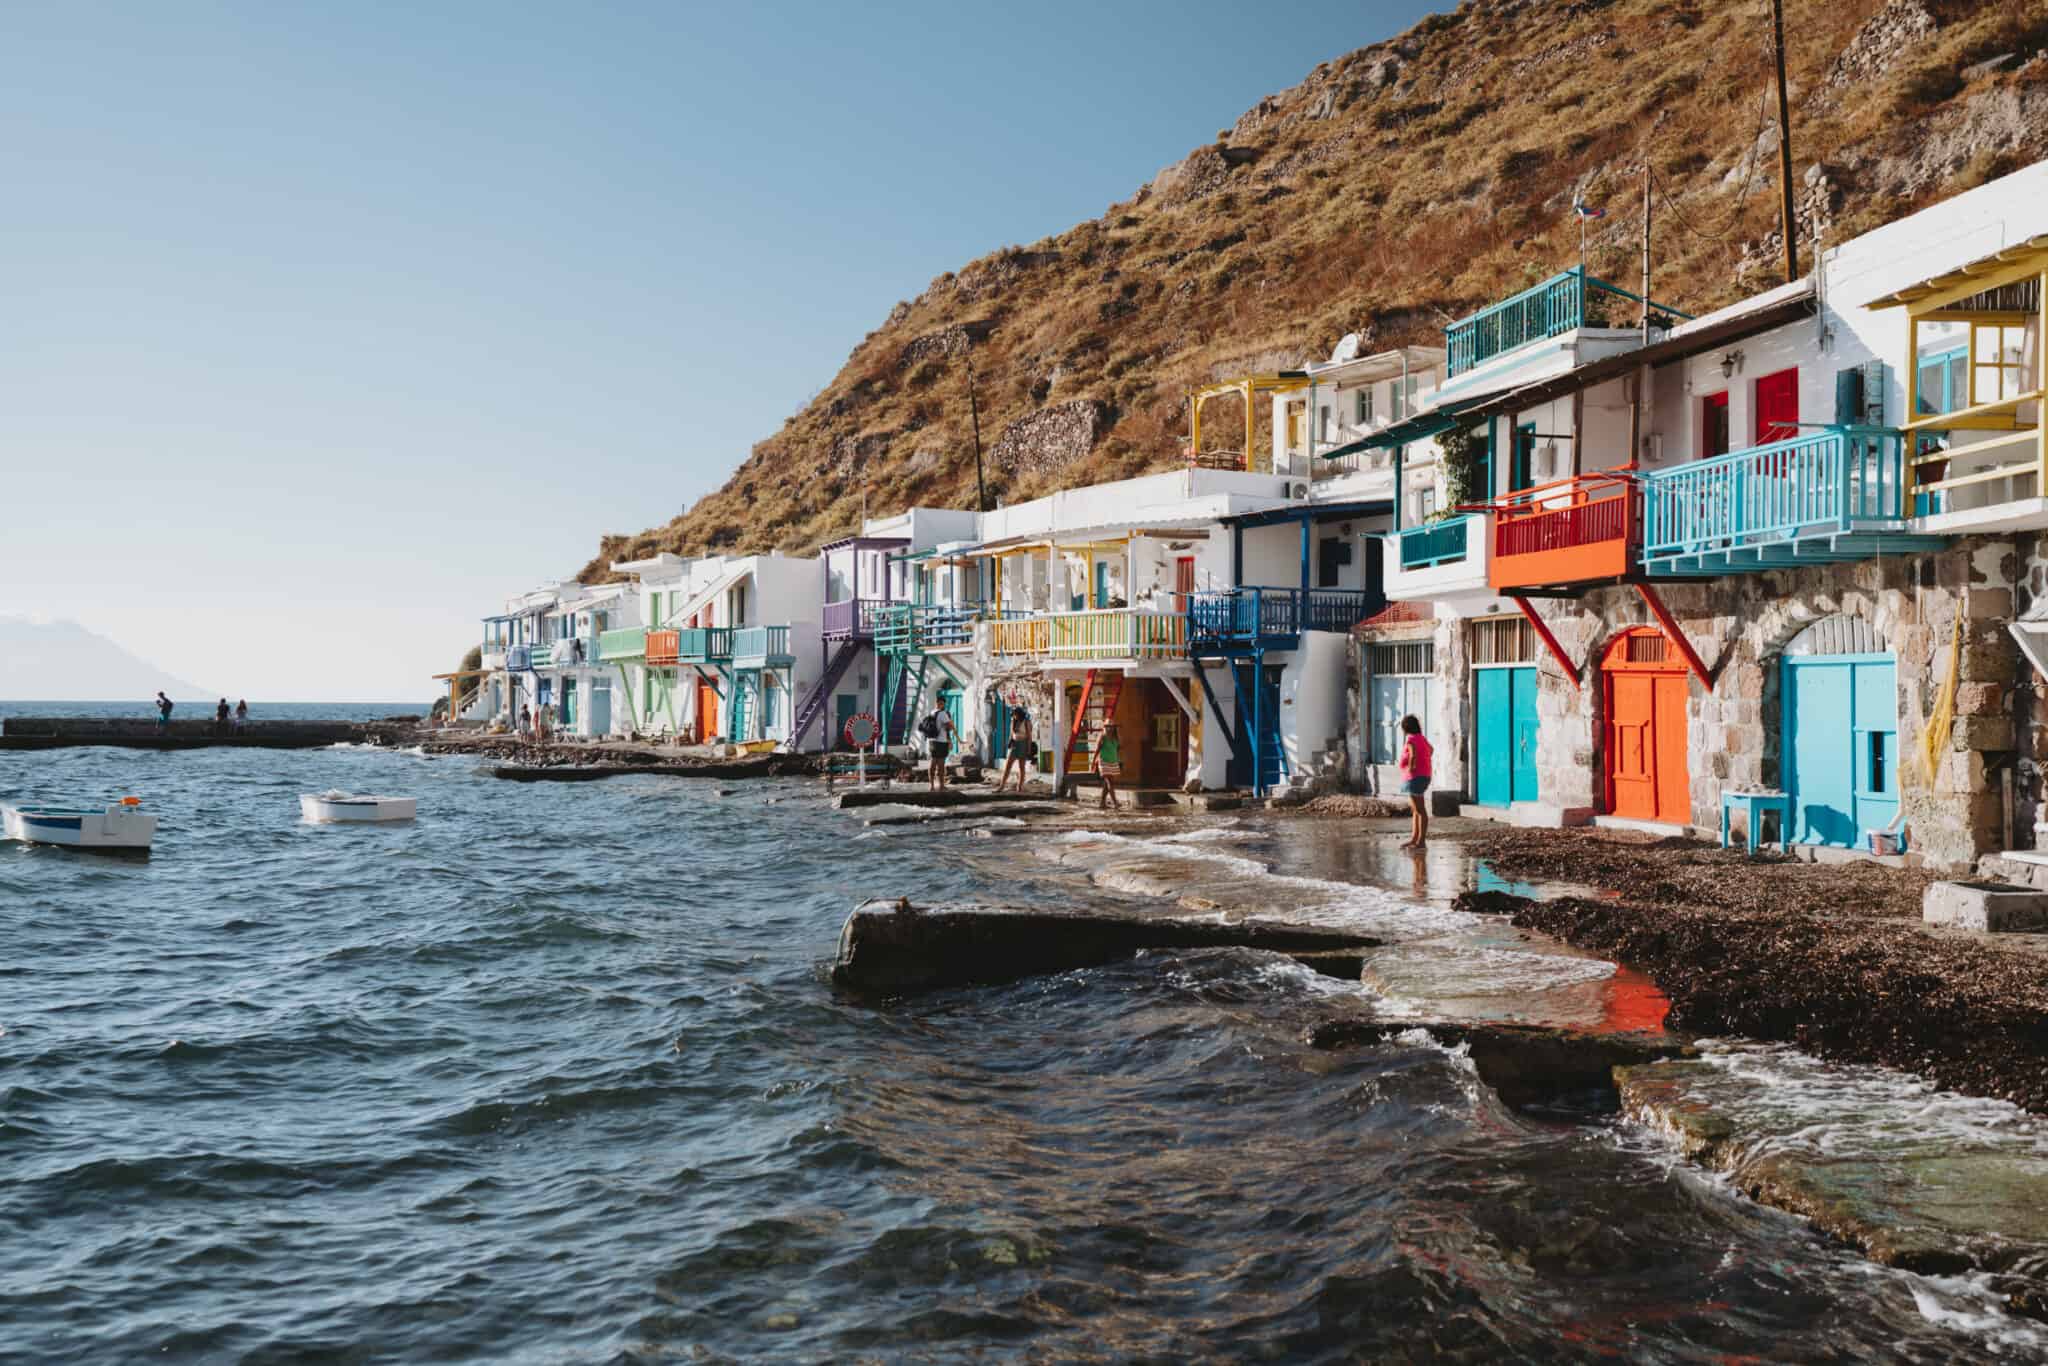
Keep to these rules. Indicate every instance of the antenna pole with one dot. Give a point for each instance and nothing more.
(1784, 146)
(974, 412)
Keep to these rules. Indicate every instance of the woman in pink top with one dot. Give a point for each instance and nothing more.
(1414, 768)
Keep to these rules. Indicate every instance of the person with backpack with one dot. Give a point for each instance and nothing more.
(1416, 765)
(937, 732)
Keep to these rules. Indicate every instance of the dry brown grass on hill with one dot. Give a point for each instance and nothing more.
(1397, 187)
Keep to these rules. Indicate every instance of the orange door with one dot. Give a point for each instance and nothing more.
(707, 712)
(1645, 691)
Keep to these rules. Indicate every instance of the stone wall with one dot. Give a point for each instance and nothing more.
(1740, 625)
(1050, 438)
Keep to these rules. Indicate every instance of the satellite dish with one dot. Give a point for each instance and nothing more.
(1347, 349)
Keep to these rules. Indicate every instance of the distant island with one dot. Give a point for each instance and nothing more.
(62, 661)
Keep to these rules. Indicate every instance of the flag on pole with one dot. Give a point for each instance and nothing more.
(1586, 210)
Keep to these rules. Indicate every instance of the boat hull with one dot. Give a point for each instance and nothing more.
(117, 827)
(352, 810)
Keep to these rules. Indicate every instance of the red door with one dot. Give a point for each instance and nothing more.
(1777, 407)
(1183, 581)
(1714, 425)
(1644, 687)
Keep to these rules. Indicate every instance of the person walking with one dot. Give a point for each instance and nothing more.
(1023, 749)
(525, 720)
(937, 730)
(163, 711)
(1415, 767)
(1109, 764)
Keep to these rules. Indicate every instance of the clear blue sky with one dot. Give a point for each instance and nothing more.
(323, 328)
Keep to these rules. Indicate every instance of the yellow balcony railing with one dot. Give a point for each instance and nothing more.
(1114, 633)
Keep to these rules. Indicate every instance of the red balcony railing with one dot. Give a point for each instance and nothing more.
(1576, 530)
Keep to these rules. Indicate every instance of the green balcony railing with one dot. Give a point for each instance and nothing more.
(629, 642)
(703, 644)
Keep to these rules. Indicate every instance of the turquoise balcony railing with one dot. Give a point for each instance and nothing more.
(1550, 309)
(629, 642)
(1435, 543)
(760, 642)
(703, 644)
(903, 627)
(1781, 503)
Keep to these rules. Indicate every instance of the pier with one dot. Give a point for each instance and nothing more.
(65, 732)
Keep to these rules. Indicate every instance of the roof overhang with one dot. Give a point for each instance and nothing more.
(1316, 512)
(2022, 260)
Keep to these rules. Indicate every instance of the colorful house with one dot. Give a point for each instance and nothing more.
(860, 583)
(731, 642)
(1731, 553)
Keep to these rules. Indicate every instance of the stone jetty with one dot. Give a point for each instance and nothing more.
(63, 732)
(895, 948)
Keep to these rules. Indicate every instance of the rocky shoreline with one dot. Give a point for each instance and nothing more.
(1832, 958)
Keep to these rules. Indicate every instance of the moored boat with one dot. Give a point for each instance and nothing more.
(121, 825)
(324, 807)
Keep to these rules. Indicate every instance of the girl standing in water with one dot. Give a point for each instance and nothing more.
(1414, 768)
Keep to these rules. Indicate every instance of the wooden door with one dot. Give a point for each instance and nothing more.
(707, 712)
(1714, 425)
(1643, 682)
(1777, 407)
(1522, 695)
(1493, 736)
(1840, 718)
(1183, 581)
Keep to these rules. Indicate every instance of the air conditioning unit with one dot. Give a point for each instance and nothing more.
(1297, 490)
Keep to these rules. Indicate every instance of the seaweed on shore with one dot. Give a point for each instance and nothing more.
(1831, 958)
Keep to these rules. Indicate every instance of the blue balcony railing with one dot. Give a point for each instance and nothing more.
(1273, 617)
(1550, 309)
(1435, 543)
(1824, 482)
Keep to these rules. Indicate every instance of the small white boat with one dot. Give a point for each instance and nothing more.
(122, 825)
(346, 806)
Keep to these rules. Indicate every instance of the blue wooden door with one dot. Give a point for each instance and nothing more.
(600, 707)
(1522, 690)
(1841, 746)
(1493, 736)
(845, 707)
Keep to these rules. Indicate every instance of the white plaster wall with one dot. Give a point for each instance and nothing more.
(1312, 686)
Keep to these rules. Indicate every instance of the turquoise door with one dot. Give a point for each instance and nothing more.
(1841, 746)
(956, 707)
(1504, 738)
(1101, 584)
(600, 708)
(1523, 771)
(846, 705)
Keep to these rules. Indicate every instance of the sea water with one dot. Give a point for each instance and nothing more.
(554, 1074)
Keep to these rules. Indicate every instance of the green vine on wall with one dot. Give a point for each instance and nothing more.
(1458, 452)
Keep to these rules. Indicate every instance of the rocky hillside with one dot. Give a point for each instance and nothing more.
(1395, 188)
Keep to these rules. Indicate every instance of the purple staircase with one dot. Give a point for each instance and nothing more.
(819, 697)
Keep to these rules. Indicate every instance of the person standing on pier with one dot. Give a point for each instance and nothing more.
(1023, 749)
(1415, 768)
(1109, 764)
(163, 711)
(241, 715)
(937, 730)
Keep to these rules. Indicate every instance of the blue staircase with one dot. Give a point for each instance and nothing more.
(820, 696)
(1259, 760)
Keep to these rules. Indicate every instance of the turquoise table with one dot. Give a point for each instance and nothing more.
(1755, 804)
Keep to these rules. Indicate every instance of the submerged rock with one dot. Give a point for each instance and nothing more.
(1925, 1181)
(1524, 1064)
(892, 948)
